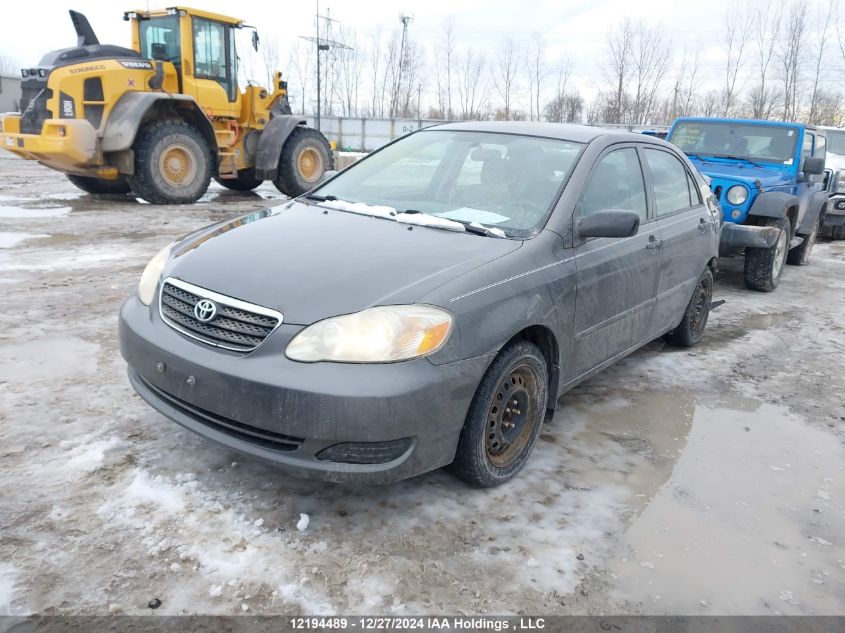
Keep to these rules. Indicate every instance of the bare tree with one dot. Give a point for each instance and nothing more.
(685, 84)
(301, 60)
(791, 48)
(270, 58)
(738, 23)
(9, 66)
(825, 19)
(505, 73)
(536, 67)
(620, 47)
(555, 109)
(472, 89)
(444, 54)
(765, 32)
(651, 54)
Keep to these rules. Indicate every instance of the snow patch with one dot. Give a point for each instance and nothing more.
(10, 239)
(89, 457)
(303, 522)
(8, 576)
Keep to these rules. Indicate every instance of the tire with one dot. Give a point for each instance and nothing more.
(691, 328)
(98, 186)
(837, 232)
(306, 156)
(172, 163)
(764, 266)
(800, 255)
(493, 445)
(246, 181)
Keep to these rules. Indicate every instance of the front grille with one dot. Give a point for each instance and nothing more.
(245, 432)
(237, 326)
(34, 96)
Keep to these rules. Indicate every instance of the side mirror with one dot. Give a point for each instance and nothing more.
(609, 223)
(813, 166)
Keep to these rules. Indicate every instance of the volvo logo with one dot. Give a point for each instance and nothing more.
(205, 310)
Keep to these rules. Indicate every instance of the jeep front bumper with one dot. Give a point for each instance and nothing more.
(739, 236)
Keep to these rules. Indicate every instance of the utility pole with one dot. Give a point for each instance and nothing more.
(405, 20)
(322, 45)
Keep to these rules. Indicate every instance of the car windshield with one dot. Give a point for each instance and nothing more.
(836, 142)
(763, 143)
(502, 181)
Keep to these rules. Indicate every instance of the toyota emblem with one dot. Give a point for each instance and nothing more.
(205, 310)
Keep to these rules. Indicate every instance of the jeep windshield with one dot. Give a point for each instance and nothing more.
(836, 141)
(750, 142)
(497, 181)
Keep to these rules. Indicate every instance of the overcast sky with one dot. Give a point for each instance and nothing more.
(578, 27)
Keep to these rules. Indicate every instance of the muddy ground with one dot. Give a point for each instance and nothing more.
(709, 481)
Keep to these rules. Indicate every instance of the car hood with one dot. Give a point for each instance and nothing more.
(769, 176)
(311, 263)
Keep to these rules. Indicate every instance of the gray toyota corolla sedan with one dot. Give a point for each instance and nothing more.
(428, 305)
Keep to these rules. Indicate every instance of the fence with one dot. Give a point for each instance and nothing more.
(362, 134)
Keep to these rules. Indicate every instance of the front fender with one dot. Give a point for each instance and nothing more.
(270, 144)
(817, 203)
(125, 118)
(773, 204)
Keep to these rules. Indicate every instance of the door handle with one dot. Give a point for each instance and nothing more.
(702, 225)
(653, 243)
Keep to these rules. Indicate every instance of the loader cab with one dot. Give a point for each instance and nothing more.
(201, 47)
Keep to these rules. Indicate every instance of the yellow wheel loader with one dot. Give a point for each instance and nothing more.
(162, 118)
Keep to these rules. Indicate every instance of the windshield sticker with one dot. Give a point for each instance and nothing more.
(467, 214)
(790, 133)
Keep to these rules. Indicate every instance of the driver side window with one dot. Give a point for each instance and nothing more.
(616, 183)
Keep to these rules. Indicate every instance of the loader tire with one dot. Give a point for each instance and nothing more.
(173, 163)
(246, 181)
(306, 156)
(98, 186)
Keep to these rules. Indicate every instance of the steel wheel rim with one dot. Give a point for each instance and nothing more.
(177, 165)
(780, 255)
(310, 164)
(511, 416)
(701, 308)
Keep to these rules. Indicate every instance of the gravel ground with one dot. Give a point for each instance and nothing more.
(708, 481)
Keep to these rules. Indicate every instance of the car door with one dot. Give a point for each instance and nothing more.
(687, 230)
(616, 277)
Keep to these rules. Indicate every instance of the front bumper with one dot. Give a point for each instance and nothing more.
(307, 407)
(63, 144)
(738, 236)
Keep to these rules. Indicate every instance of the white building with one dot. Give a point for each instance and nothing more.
(10, 93)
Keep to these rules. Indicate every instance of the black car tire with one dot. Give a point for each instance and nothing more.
(495, 442)
(800, 255)
(98, 186)
(306, 156)
(837, 232)
(691, 328)
(764, 266)
(245, 181)
(180, 180)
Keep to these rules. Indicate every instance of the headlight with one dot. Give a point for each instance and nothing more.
(737, 194)
(376, 335)
(840, 183)
(152, 273)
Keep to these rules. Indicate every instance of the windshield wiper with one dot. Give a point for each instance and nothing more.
(319, 198)
(747, 160)
(469, 227)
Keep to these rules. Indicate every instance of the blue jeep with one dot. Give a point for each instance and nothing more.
(768, 178)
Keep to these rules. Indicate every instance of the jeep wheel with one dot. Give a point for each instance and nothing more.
(764, 266)
(504, 418)
(800, 255)
(306, 156)
(245, 181)
(691, 328)
(837, 232)
(98, 186)
(172, 163)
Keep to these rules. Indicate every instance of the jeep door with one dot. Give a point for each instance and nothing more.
(616, 278)
(687, 228)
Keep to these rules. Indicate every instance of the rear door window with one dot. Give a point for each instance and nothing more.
(670, 180)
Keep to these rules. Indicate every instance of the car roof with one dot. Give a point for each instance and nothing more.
(560, 131)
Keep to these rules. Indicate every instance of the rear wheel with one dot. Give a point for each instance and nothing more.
(764, 266)
(837, 232)
(691, 328)
(800, 255)
(100, 186)
(306, 156)
(172, 163)
(245, 181)
(504, 418)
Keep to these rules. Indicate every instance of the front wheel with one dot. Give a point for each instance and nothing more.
(172, 163)
(504, 418)
(98, 186)
(764, 266)
(691, 328)
(306, 156)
